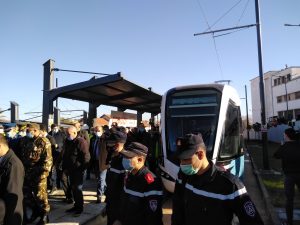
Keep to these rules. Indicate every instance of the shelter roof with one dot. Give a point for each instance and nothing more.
(111, 90)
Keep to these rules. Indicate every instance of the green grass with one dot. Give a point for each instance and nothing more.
(272, 181)
(273, 184)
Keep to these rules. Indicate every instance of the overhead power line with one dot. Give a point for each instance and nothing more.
(214, 41)
(225, 14)
(242, 15)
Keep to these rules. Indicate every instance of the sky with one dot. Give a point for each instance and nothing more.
(151, 42)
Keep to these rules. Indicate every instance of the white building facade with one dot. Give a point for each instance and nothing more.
(282, 94)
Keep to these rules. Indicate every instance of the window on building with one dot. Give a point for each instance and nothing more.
(278, 81)
(280, 114)
(297, 95)
(283, 98)
(279, 99)
(288, 77)
(292, 96)
(282, 80)
(275, 82)
(297, 113)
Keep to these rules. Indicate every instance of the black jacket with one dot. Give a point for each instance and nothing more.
(212, 198)
(11, 184)
(59, 138)
(141, 201)
(114, 182)
(289, 153)
(76, 155)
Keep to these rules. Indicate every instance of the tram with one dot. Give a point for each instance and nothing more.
(210, 109)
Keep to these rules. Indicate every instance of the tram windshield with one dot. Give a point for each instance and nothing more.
(194, 111)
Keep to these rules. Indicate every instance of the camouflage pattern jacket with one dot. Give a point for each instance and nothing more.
(36, 157)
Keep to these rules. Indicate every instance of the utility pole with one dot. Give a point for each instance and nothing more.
(264, 131)
(261, 84)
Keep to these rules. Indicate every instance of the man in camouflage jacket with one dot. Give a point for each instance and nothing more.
(37, 161)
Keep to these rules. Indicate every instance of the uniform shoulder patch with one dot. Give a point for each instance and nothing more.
(249, 208)
(149, 178)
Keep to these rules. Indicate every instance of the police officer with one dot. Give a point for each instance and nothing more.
(115, 175)
(204, 194)
(141, 201)
(37, 161)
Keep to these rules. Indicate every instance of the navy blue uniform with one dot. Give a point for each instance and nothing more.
(142, 199)
(212, 198)
(114, 181)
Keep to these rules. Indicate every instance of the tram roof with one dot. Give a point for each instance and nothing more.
(113, 90)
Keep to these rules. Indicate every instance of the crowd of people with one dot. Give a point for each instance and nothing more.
(59, 159)
(35, 163)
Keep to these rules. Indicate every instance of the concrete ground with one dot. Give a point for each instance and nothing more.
(91, 211)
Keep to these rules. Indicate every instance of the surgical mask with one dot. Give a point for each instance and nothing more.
(127, 164)
(70, 138)
(98, 134)
(29, 135)
(55, 130)
(188, 169)
(22, 133)
(10, 134)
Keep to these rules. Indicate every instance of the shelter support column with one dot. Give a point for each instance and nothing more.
(85, 116)
(92, 113)
(14, 112)
(57, 116)
(139, 117)
(48, 86)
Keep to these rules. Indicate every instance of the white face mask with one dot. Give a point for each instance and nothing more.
(55, 130)
(99, 133)
(1, 131)
(22, 133)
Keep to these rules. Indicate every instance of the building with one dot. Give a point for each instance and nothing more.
(282, 94)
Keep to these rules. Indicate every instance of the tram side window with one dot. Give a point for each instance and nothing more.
(231, 135)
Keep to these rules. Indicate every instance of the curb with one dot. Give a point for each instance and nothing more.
(267, 200)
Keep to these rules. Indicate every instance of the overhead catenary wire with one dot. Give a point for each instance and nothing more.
(215, 45)
(243, 13)
(238, 22)
(225, 14)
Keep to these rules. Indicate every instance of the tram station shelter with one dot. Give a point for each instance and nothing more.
(111, 90)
